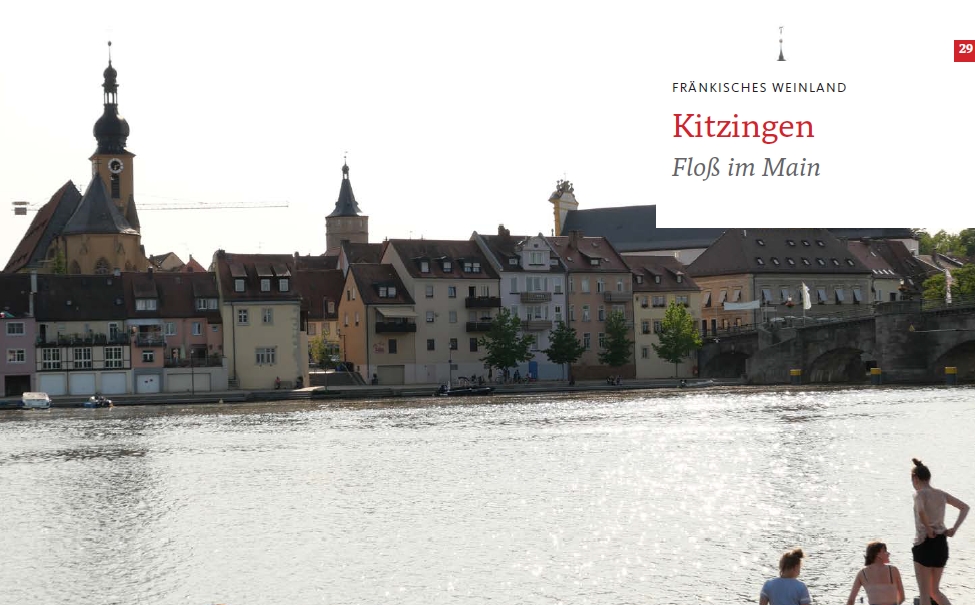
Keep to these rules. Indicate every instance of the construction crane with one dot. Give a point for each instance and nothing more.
(21, 208)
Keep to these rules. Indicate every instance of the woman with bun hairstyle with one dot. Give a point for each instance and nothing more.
(880, 579)
(786, 589)
(931, 537)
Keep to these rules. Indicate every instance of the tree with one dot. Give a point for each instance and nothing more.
(963, 279)
(505, 348)
(318, 349)
(58, 264)
(678, 335)
(618, 347)
(966, 242)
(564, 346)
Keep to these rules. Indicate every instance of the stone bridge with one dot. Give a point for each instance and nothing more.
(910, 341)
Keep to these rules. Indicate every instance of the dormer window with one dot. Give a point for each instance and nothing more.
(775, 260)
(680, 278)
(806, 243)
(513, 261)
(238, 285)
(391, 291)
(594, 262)
(283, 285)
(820, 243)
(850, 262)
(535, 258)
(146, 304)
(477, 267)
(835, 262)
(468, 267)
(791, 242)
(758, 259)
(639, 279)
(656, 279)
(760, 242)
(805, 261)
(447, 266)
(791, 262)
(382, 292)
(424, 266)
(265, 285)
(821, 262)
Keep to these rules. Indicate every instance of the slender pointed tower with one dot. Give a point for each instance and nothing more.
(346, 223)
(564, 200)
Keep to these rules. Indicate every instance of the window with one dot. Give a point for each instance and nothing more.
(656, 279)
(51, 359)
(447, 266)
(345, 319)
(473, 345)
(357, 318)
(214, 328)
(760, 242)
(311, 329)
(535, 258)
(453, 344)
(838, 292)
(477, 267)
(514, 285)
(621, 309)
(639, 279)
(267, 315)
(429, 317)
(331, 305)
(791, 242)
(586, 340)
(775, 260)
(145, 304)
(594, 262)
(722, 297)
(571, 284)
(16, 356)
(265, 356)
(600, 285)
(243, 317)
(82, 358)
(707, 299)
(424, 266)
(601, 313)
(265, 285)
(113, 357)
(645, 326)
(382, 292)
(736, 295)
(601, 339)
(283, 285)
(758, 259)
(585, 312)
(645, 352)
(805, 261)
(806, 243)
(835, 262)
(657, 326)
(766, 296)
(619, 285)
(820, 243)
(659, 301)
(485, 291)
(572, 312)
(238, 285)
(557, 285)
(585, 285)
(513, 261)
(15, 328)
(784, 294)
(451, 291)
(857, 297)
(850, 262)
(682, 299)
(452, 317)
(821, 261)
(391, 346)
(558, 312)
(821, 295)
(148, 356)
(429, 291)
(791, 262)
(430, 344)
(170, 328)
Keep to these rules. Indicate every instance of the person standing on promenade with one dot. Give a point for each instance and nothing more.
(880, 579)
(786, 589)
(931, 538)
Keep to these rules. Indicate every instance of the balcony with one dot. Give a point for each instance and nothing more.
(536, 325)
(617, 297)
(82, 340)
(482, 302)
(394, 326)
(536, 297)
(149, 340)
(479, 326)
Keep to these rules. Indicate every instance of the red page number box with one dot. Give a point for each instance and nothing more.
(964, 51)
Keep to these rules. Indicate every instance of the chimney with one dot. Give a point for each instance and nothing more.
(574, 236)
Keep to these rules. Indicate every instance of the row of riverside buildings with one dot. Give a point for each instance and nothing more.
(84, 309)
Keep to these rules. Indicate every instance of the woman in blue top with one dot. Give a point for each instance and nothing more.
(786, 589)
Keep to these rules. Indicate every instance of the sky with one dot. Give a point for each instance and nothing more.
(457, 117)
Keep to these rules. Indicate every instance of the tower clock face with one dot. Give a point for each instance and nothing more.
(115, 165)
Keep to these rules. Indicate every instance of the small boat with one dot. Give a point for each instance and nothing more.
(447, 391)
(98, 401)
(35, 401)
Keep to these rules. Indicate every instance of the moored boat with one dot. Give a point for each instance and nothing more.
(447, 391)
(35, 401)
(98, 401)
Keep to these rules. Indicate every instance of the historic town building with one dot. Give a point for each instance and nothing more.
(345, 223)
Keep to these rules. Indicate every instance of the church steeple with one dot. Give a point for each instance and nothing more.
(111, 130)
(346, 223)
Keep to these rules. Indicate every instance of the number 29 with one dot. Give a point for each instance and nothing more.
(964, 48)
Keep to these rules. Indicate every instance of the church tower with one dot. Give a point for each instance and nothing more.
(564, 200)
(345, 223)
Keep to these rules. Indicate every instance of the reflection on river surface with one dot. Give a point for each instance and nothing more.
(636, 496)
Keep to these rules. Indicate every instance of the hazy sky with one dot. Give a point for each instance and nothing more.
(457, 117)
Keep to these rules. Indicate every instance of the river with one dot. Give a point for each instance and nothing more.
(678, 497)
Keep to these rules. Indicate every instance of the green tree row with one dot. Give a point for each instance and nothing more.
(954, 244)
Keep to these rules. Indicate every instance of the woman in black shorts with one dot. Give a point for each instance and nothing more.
(931, 539)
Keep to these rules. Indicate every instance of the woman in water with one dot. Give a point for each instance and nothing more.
(931, 538)
(786, 589)
(880, 579)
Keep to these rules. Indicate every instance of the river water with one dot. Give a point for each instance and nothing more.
(682, 497)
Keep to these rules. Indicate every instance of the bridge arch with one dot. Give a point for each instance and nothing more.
(843, 364)
(961, 356)
(727, 364)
